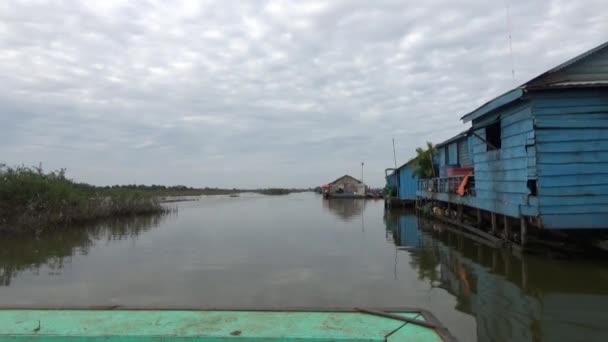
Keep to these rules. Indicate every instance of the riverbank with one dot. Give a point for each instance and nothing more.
(32, 200)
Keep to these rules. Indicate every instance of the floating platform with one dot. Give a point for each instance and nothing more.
(136, 325)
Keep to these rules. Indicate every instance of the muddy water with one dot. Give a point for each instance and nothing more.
(302, 251)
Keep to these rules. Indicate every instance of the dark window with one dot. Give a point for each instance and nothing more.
(532, 187)
(493, 137)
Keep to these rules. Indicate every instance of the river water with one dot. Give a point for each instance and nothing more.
(299, 250)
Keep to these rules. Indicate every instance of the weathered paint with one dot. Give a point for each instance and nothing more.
(392, 180)
(554, 134)
(464, 153)
(348, 186)
(169, 325)
(572, 156)
(501, 175)
(405, 181)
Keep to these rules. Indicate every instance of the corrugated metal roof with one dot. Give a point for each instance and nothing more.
(517, 92)
(569, 62)
(457, 137)
(573, 84)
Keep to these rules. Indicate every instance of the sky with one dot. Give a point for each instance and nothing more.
(262, 93)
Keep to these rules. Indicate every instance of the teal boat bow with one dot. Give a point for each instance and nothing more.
(138, 325)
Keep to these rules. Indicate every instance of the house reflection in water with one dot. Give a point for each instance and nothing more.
(512, 298)
(345, 208)
(402, 228)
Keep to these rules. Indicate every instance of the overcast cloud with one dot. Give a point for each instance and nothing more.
(261, 93)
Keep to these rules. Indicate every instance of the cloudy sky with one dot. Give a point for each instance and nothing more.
(262, 93)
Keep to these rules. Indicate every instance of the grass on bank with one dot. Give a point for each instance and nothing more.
(31, 199)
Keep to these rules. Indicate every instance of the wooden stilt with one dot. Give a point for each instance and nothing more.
(524, 273)
(494, 225)
(507, 259)
(459, 212)
(478, 218)
(523, 230)
(507, 228)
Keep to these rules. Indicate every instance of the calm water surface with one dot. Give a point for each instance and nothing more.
(301, 251)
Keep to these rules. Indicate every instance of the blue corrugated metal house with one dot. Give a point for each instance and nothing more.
(406, 182)
(541, 149)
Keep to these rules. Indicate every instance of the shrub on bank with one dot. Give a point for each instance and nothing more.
(31, 199)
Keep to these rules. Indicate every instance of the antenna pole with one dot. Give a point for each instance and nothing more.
(394, 153)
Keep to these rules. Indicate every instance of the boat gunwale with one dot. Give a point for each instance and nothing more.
(429, 317)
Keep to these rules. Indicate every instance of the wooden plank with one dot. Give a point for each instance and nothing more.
(572, 123)
(529, 210)
(502, 166)
(580, 221)
(578, 101)
(571, 113)
(573, 209)
(502, 197)
(523, 230)
(566, 135)
(574, 180)
(516, 187)
(572, 146)
(581, 157)
(513, 175)
(573, 200)
(592, 190)
(516, 129)
(519, 114)
(571, 169)
(471, 229)
(507, 154)
(573, 93)
(498, 206)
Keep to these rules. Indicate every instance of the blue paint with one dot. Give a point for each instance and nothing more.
(496, 103)
(554, 133)
(453, 153)
(406, 182)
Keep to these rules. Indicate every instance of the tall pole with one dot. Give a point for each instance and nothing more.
(361, 172)
(394, 153)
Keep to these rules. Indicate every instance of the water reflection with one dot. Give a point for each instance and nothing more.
(54, 249)
(512, 298)
(345, 208)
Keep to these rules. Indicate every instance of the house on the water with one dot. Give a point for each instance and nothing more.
(454, 154)
(538, 153)
(403, 181)
(346, 187)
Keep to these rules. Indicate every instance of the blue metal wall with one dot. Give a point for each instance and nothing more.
(407, 183)
(393, 179)
(572, 157)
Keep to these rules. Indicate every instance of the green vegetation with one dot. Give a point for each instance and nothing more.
(274, 191)
(34, 200)
(182, 190)
(424, 163)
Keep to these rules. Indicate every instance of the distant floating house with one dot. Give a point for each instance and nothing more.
(346, 187)
(538, 153)
(405, 182)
